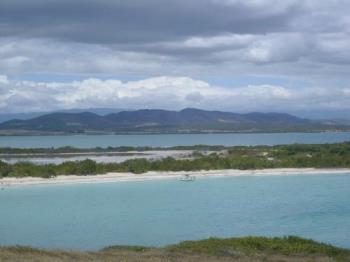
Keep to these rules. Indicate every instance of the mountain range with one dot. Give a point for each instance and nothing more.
(163, 121)
(25, 116)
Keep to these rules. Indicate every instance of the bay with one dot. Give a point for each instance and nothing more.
(158, 213)
(168, 140)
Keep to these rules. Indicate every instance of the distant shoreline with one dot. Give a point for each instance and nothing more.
(153, 175)
(6, 133)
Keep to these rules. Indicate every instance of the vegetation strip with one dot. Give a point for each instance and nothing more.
(212, 249)
(243, 158)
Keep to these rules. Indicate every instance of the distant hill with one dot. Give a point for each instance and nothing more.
(25, 116)
(158, 121)
(192, 116)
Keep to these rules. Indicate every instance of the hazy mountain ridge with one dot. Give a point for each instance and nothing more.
(25, 116)
(157, 120)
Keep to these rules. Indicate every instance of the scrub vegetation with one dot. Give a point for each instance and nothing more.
(212, 249)
(203, 158)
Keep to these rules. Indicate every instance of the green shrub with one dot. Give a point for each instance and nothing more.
(5, 169)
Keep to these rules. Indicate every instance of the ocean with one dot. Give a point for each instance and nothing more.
(162, 212)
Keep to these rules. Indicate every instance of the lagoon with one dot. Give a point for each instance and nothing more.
(157, 213)
(168, 140)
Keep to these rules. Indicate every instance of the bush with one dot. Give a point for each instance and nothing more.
(5, 169)
(87, 167)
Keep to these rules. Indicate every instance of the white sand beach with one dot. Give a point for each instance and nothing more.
(119, 177)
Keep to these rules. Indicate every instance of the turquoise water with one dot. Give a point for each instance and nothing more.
(156, 213)
(173, 139)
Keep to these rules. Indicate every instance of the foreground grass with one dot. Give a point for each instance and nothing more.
(213, 249)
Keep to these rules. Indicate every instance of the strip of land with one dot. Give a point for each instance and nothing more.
(246, 249)
(156, 175)
(220, 160)
(98, 157)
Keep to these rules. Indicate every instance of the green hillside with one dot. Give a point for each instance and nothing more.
(213, 249)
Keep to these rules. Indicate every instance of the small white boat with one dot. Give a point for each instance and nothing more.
(188, 178)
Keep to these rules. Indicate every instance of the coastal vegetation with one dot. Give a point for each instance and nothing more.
(203, 158)
(212, 249)
(69, 149)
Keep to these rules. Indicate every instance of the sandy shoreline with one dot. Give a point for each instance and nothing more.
(119, 177)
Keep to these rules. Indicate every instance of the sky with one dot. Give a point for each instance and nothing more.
(288, 56)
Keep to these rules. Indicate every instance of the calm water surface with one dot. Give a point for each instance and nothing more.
(156, 213)
(85, 141)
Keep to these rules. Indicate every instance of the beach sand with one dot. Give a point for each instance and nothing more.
(119, 177)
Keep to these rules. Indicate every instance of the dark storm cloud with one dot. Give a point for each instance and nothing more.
(131, 21)
(146, 37)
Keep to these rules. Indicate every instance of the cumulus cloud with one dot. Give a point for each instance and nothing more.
(163, 92)
(300, 41)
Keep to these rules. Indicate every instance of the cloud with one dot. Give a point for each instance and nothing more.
(3, 80)
(298, 41)
(274, 48)
(104, 21)
(164, 92)
(293, 55)
(291, 38)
